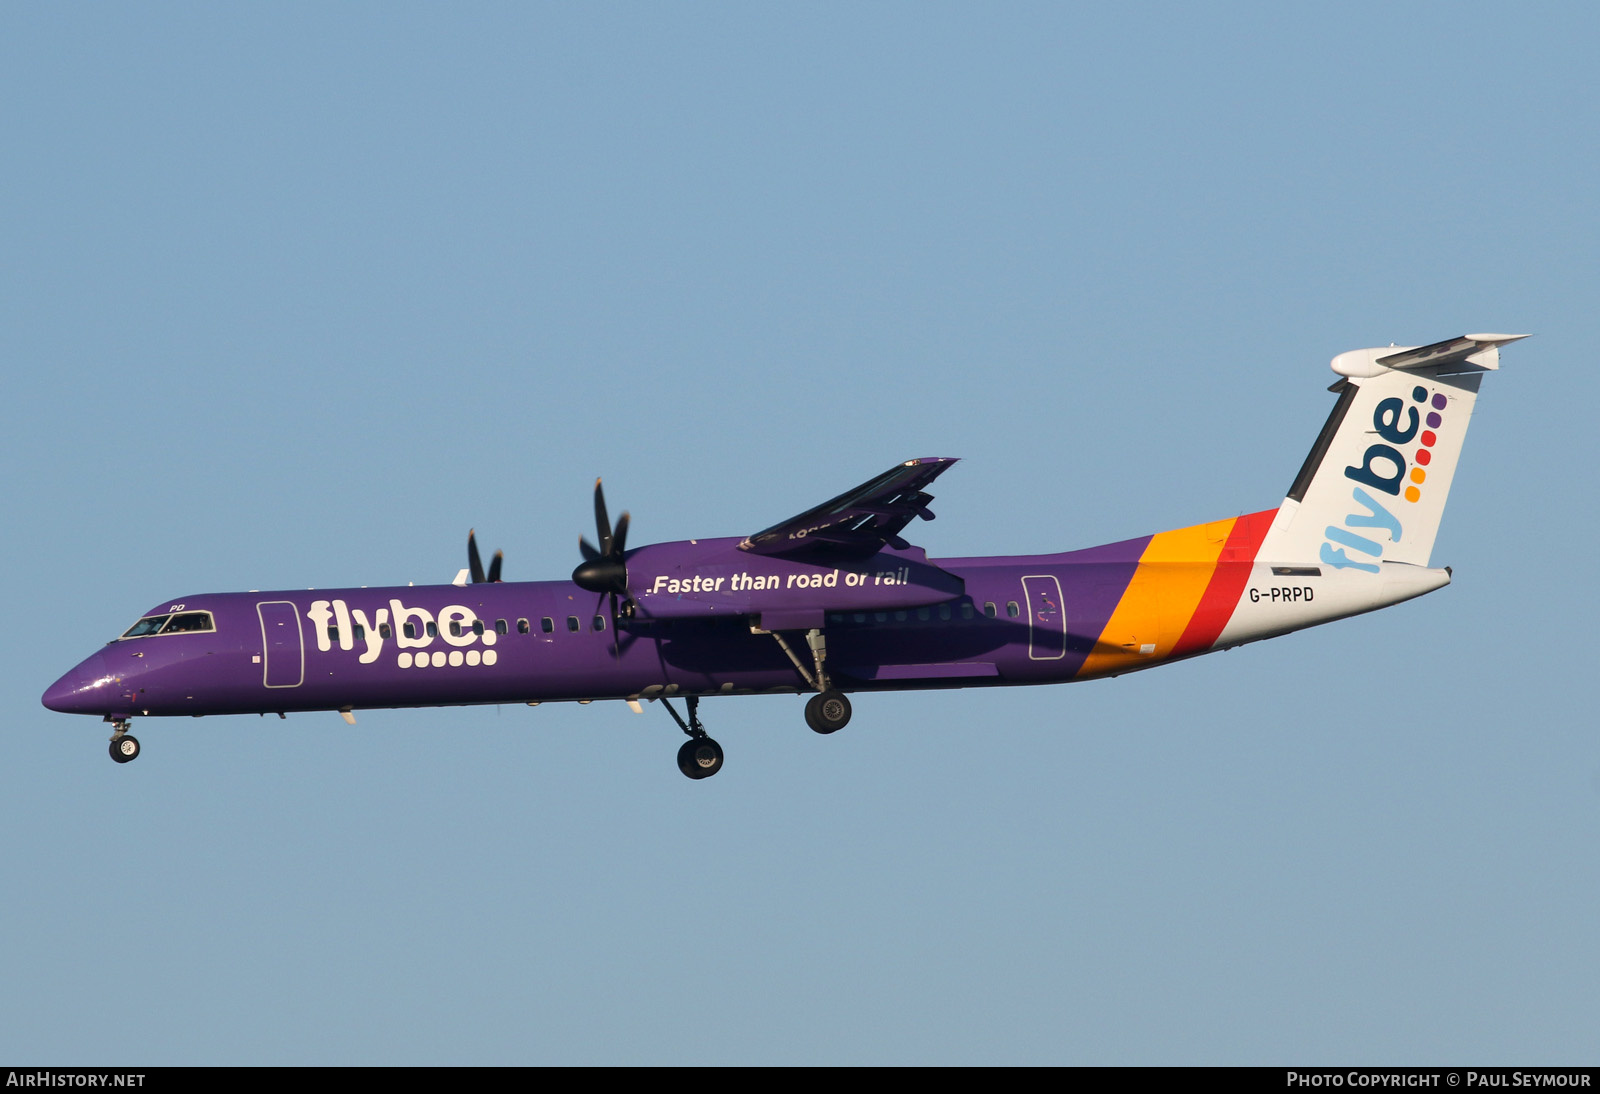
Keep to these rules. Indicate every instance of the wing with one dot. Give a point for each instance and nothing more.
(859, 521)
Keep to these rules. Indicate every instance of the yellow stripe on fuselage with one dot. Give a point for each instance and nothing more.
(1157, 604)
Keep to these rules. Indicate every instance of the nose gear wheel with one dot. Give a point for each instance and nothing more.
(700, 758)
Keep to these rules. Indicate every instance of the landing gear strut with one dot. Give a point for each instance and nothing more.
(700, 757)
(124, 745)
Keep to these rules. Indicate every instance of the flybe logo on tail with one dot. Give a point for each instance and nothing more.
(1385, 470)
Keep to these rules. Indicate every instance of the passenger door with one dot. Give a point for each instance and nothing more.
(283, 650)
(1047, 617)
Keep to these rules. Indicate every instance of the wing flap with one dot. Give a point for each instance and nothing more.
(859, 521)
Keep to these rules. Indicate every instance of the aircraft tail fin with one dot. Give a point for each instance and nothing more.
(1374, 487)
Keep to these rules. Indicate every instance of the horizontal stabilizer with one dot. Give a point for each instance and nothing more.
(1477, 350)
(1450, 351)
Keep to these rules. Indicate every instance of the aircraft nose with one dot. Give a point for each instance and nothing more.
(86, 689)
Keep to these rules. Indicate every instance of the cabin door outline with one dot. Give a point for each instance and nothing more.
(283, 644)
(1047, 617)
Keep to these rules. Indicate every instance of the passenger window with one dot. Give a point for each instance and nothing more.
(1012, 610)
(899, 617)
(599, 622)
(880, 617)
(433, 630)
(455, 628)
(988, 609)
(359, 632)
(944, 611)
(523, 627)
(572, 624)
(411, 630)
(384, 631)
(477, 627)
(333, 634)
(966, 609)
(500, 627)
(922, 614)
(547, 625)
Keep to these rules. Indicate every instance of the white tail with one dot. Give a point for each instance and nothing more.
(1374, 486)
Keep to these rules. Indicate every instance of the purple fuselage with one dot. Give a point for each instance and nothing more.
(891, 620)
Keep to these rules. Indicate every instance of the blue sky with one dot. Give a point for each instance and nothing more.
(295, 295)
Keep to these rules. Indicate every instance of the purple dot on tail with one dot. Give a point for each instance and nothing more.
(1438, 402)
(1434, 420)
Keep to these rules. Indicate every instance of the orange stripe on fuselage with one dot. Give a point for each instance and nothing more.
(1174, 574)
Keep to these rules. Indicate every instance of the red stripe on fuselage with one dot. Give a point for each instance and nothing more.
(1227, 583)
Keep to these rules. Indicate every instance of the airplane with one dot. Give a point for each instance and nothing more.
(834, 601)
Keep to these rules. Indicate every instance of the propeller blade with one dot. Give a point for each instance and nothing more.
(603, 569)
(474, 563)
(602, 522)
(494, 565)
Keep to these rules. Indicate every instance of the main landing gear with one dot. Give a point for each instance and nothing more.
(700, 757)
(828, 712)
(124, 745)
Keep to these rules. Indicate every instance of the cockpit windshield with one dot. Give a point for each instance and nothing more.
(189, 621)
(174, 623)
(150, 624)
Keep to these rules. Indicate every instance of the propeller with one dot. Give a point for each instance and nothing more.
(475, 562)
(603, 569)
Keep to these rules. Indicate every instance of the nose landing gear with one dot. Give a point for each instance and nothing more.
(700, 758)
(124, 745)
